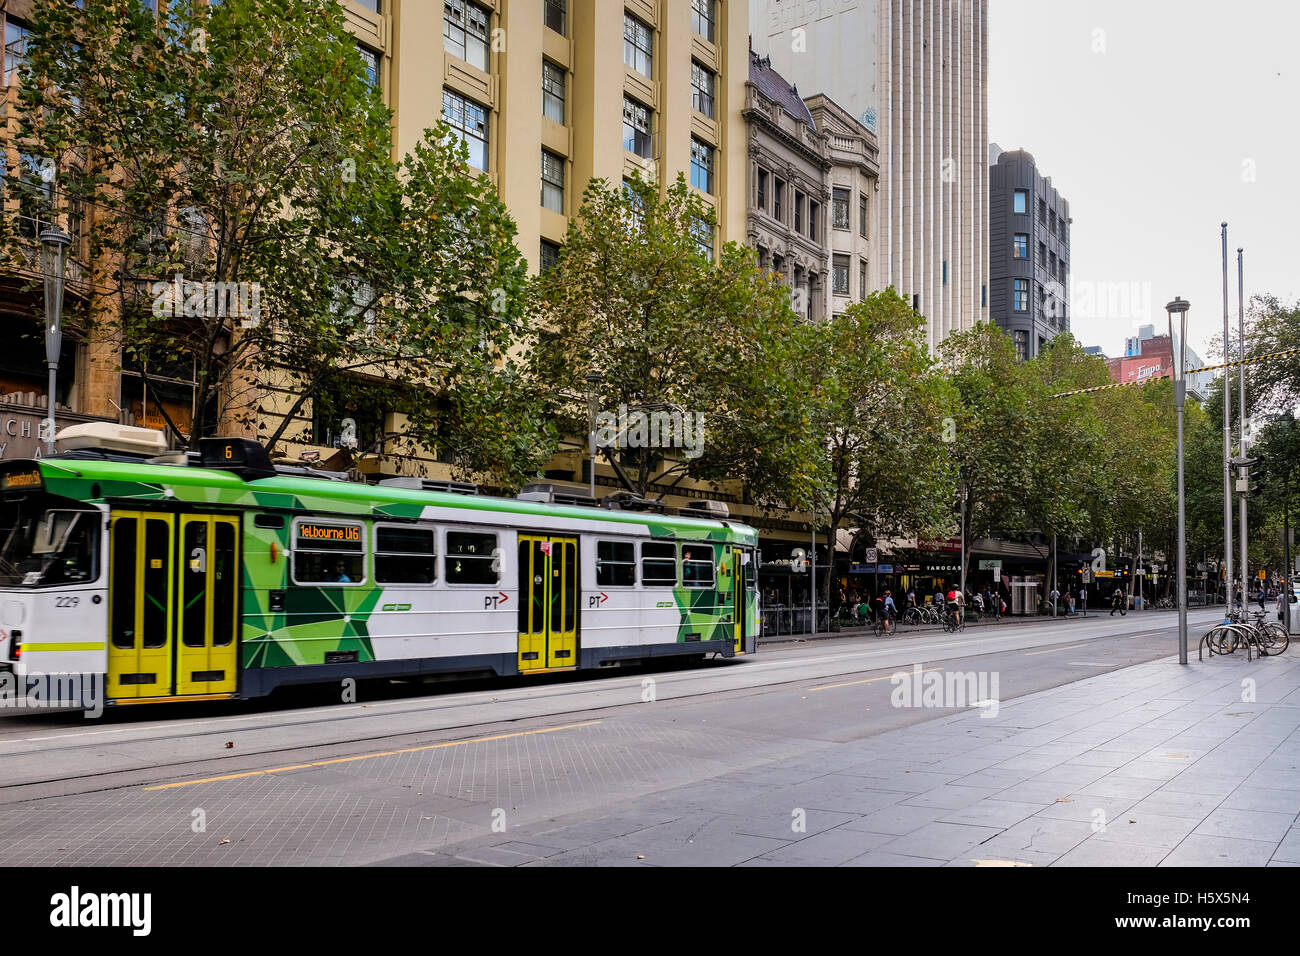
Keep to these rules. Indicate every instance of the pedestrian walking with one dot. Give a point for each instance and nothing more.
(1117, 603)
(1083, 600)
(1056, 598)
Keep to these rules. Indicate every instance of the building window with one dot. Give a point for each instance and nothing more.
(702, 89)
(1022, 345)
(371, 5)
(636, 128)
(1051, 264)
(762, 189)
(840, 275)
(840, 208)
(1042, 210)
(15, 49)
(704, 15)
(465, 32)
(469, 124)
(701, 166)
(1020, 295)
(1019, 201)
(814, 220)
(778, 199)
(1042, 254)
(862, 215)
(553, 15)
(637, 39)
(552, 92)
(862, 278)
(1020, 246)
(798, 211)
(552, 181)
(1051, 221)
(984, 296)
(703, 234)
(370, 63)
(549, 258)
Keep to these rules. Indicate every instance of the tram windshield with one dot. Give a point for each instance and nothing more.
(47, 545)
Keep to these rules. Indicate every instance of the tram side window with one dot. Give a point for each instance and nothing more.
(751, 572)
(327, 552)
(697, 566)
(658, 564)
(405, 556)
(615, 564)
(472, 558)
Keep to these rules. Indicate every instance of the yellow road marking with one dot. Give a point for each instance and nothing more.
(870, 680)
(385, 753)
(1053, 650)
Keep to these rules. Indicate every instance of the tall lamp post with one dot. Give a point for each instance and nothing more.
(54, 259)
(593, 384)
(1179, 308)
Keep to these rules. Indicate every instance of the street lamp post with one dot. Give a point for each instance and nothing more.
(1179, 307)
(1227, 434)
(54, 259)
(593, 384)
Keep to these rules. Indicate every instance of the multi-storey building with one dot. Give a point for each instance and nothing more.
(914, 72)
(813, 171)
(1029, 252)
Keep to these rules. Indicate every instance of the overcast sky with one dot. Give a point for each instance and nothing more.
(1158, 120)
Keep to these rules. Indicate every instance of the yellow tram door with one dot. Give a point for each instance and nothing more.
(207, 586)
(140, 602)
(548, 603)
(738, 571)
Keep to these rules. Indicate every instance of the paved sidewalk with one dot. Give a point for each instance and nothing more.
(1154, 764)
(906, 630)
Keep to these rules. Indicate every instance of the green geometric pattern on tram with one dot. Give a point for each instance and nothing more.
(700, 610)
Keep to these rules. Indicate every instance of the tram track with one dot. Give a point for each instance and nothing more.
(587, 697)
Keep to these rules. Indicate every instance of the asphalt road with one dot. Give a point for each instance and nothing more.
(308, 779)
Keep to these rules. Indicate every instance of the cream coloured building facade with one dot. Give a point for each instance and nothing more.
(553, 93)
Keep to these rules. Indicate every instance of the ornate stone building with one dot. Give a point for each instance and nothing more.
(813, 171)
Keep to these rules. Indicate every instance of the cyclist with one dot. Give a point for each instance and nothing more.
(952, 604)
(890, 611)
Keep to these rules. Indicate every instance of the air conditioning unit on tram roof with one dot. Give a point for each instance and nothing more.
(432, 484)
(709, 507)
(111, 437)
(555, 494)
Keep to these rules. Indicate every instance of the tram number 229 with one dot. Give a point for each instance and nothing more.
(66, 601)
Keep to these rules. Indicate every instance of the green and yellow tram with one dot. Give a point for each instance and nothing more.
(220, 576)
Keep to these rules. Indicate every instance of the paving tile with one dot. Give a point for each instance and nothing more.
(1085, 808)
(1288, 851)
(1151, 829)
(1096, 852)
(940, 841)
(897, 820)
(781, 826)
(949, 797)
(1202, 850)
(1228, 821)
(1045, 834)
(993, 813)
(829, 848)
(879, 858)
(1171, 803)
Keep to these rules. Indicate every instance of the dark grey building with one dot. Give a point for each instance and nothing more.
(1029, 252)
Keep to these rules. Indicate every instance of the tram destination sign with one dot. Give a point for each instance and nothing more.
(21, 479)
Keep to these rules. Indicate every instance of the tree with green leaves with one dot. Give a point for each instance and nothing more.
(640, 301)
(877, 408)
(247, 224)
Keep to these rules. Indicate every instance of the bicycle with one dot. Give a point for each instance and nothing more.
(1266, 638)
(881, 628)
(952, 622)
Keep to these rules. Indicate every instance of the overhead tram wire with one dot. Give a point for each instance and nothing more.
(1208, 368)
